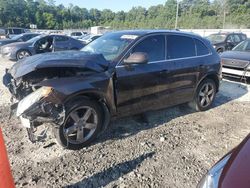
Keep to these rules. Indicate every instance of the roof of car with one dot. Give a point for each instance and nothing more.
(145, 32)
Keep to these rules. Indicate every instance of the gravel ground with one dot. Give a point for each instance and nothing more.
(174, 149)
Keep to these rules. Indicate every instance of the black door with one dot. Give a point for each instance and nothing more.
(183, 77)
(138, 84)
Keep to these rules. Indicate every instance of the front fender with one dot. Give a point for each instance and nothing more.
(98, 85)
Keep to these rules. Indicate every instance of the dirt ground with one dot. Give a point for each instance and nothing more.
(174, 149)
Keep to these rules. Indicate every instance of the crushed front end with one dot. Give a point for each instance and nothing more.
(34, 106)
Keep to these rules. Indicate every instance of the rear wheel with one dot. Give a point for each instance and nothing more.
(22, 54)
(204, 96)
(81, 126)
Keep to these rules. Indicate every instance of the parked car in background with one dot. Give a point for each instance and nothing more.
(236, 63)
(119, 74)
(89, 38)
(12, 31)
(78, 34)
(226, 41)
(19, 38)
(232, 170)
(40, 44)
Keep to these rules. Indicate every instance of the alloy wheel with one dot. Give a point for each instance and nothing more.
(23, 54)
(206, 95)
(80, 125)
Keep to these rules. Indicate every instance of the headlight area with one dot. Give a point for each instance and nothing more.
(211, 179)
(37, 108)
(32, 99)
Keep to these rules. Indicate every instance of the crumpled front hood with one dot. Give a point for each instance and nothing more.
(78, 59)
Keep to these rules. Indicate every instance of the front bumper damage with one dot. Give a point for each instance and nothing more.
(38, 109)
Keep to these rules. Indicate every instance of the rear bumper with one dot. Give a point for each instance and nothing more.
(235, 73)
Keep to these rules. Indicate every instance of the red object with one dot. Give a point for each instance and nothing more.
(6, 178)
(236, 173)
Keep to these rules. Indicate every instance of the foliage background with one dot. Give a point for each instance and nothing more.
(193, 14)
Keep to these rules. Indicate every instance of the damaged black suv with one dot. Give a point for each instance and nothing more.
(122, 73)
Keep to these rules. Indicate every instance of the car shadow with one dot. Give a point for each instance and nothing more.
(129, 126)
(103, 178)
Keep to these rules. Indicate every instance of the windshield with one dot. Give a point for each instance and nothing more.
(17, 37)
(217, 37)
(35, 39)
(110, 45)
(86, 37)
(243, 46)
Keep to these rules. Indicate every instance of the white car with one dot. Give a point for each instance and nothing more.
(89, 38)
(78, 34)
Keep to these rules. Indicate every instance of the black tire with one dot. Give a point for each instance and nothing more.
(22, 54)
(72, 107)
(198, 103)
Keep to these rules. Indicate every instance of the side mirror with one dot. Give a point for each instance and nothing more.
(137, 58)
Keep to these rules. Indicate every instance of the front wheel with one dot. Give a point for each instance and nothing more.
(22, 54)
(82, 124)
(204, 96)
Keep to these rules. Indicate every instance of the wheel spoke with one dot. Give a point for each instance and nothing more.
(90, 126)
(202, 94)
(211, 92)
(207, 100)
(203, 101)
(71, 130)
(80, 134)
(74, 115)
(81, 124)
(206, 88)
(87, 114)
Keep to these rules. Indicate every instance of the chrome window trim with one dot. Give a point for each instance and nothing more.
(119, 64)
(167, 60)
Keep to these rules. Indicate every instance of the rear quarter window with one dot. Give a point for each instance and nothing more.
(244, 37)
(201, 48)
(180, 47)
(17, 31)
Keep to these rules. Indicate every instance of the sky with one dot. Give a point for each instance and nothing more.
(114, 5)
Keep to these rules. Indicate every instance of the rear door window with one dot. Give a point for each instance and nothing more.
(230, 38)
(154, 46)
(180, 47)
(201, 48)
(17, 31)
(237, 38)
(61, 39)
